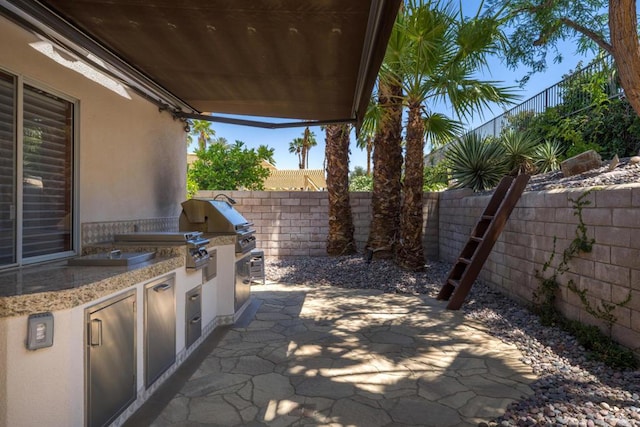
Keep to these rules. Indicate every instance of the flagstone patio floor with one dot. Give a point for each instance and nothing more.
(327, 356)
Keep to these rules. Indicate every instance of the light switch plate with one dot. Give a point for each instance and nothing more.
(40, 331)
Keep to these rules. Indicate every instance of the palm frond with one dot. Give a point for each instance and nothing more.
(440, 129)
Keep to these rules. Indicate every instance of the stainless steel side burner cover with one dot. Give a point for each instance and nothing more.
(197, 256)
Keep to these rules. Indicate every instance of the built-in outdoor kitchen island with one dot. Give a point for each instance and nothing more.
(89, 339)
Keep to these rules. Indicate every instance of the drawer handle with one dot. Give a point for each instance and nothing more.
(195, 320)
(194, 297)
(161, 288)
(95, 340)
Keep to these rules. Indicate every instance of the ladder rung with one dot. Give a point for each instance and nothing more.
(493, 220)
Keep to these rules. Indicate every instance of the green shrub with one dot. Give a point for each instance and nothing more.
(436, 177)
(476, 163)
(361, 183)
(192, 186)
(519, 148)
(547, 156)
(590, 117)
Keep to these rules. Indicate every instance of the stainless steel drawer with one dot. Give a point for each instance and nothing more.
(193, 315)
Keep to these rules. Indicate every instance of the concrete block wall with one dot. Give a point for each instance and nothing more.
(609, 273)
(296, 223)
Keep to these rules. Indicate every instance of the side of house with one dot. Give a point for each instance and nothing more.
(116, 151)
(82, 158)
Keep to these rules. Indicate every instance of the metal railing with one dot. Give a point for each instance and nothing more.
(553, 96)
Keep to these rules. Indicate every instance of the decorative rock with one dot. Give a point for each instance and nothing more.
(614, 162)
(581, 163)
(634, 160)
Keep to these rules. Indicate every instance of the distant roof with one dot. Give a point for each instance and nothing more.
(296, 179)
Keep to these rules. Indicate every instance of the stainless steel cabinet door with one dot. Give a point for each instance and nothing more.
(111, 358)
(160, 328)
(243, 281)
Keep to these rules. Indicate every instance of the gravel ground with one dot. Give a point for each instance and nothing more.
(626, 171)
(572, 390)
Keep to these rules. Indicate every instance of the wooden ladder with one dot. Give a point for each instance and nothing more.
(483, 236)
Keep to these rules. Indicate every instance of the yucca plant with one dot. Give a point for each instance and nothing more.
(476, 163)
(547, 156)
(519, 148)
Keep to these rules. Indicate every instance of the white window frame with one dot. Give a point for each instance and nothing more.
(20, 82)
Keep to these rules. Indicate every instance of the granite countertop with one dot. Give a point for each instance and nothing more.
(58, 286)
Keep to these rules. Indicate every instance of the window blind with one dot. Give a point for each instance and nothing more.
(47, 176)
(7, 170)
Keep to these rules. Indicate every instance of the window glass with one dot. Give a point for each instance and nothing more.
(7, 170)
(47, 174)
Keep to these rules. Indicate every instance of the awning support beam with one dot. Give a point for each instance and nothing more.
(261, 124)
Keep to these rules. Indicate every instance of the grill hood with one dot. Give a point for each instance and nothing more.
(211, 216)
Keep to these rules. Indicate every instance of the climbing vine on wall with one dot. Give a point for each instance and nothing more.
(601, 346)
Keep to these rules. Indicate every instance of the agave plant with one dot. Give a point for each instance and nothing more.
(520, 148)
(547, 156)
(476, 163)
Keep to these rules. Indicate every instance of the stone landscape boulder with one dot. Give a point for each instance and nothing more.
(581, 163)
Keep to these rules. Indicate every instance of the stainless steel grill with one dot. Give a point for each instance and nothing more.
(218, 217)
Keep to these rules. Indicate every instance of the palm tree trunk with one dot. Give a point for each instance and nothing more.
(341, 229)
(369, 151)
(410, 253)
(387, 170)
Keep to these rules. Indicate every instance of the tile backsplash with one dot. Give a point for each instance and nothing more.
(98, 232)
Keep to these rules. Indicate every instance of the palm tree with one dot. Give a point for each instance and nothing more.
(341, 229)
(308, 141)
(440, 52)
(365, 142)
(295, 146)
(384, 119)
(203, 131)
(387, 173)
(266, 153)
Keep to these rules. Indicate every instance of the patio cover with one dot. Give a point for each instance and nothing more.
(296, 59)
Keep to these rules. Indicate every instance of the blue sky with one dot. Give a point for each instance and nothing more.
(280, 138)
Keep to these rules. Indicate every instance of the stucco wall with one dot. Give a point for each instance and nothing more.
(609, 272)
(296, 223)
(132, 157)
